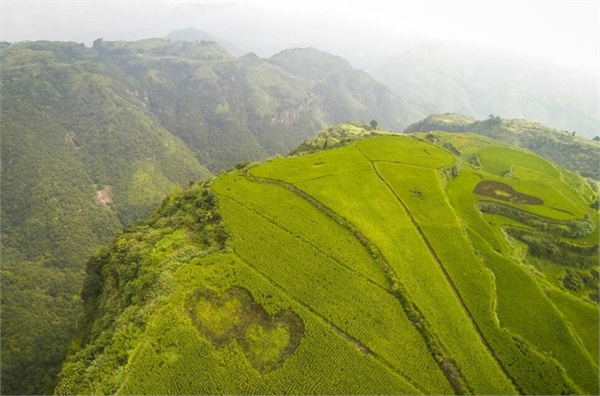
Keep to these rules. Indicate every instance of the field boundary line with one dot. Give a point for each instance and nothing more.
(399, 291)
(343, 222)
(443, 269)
(352, 270)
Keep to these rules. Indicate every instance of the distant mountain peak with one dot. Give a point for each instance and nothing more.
(192, 34)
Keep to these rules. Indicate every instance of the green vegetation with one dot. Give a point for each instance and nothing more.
(94, 138)
(79, 159)
(239, 311)
(357, 270)
(337, 136)
(471, 282)
(369, 207)
(174, 350)
(574, 153)
(128, 282)
(406, 151)
(582, 316)
(333, 295)
(298, 217)
(369, 263)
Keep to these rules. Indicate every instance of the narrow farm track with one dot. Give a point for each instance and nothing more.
(362, 348)
(137, 353)
(442, 268)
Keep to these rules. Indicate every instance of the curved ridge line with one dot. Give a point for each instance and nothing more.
(405, 302)
(352, 270)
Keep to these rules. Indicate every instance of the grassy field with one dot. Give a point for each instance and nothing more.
(374, 209)
(405, 150)
(498, 161)
(365, 269)
(300, 218)
(442, 229)
(175, 359)
(367, 313)
(550, 336)
(420, 189)
(583, 317)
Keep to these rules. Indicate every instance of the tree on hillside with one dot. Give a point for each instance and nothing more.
(374, 124)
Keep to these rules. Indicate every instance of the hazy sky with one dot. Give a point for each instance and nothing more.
(565, 31)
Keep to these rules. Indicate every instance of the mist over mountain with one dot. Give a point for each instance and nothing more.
(191, 34)
(439, 78)
(155, 242)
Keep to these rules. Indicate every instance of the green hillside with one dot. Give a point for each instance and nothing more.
(565, 148)
(80, 158)
(391, 264)
(348, 93)
(94, 138)
(230, 109)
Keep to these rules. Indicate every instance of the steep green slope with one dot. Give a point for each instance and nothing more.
(229, 110)
(564, 148)
(79, 159)
(346, 93)
(376, 267)
(94, 138)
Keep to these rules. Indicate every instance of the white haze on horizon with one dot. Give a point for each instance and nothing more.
(564, 32)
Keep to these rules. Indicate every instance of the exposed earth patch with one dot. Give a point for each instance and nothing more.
(504, 192)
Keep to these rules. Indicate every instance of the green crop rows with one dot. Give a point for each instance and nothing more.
(372, 268)
(360, 309)
(175, 359)
(375, 212)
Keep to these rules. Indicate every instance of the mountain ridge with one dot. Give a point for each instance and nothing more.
(288, 234)
(191, 34)
(94, 138)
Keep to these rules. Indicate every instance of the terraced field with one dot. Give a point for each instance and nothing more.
(409, 169)
(389, 266)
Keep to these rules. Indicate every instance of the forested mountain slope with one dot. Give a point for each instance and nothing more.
(349, 93)
(94, 138)
(80, 158)
(229, 110)
(427, 263)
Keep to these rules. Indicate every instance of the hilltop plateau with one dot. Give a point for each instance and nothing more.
(366, 263)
